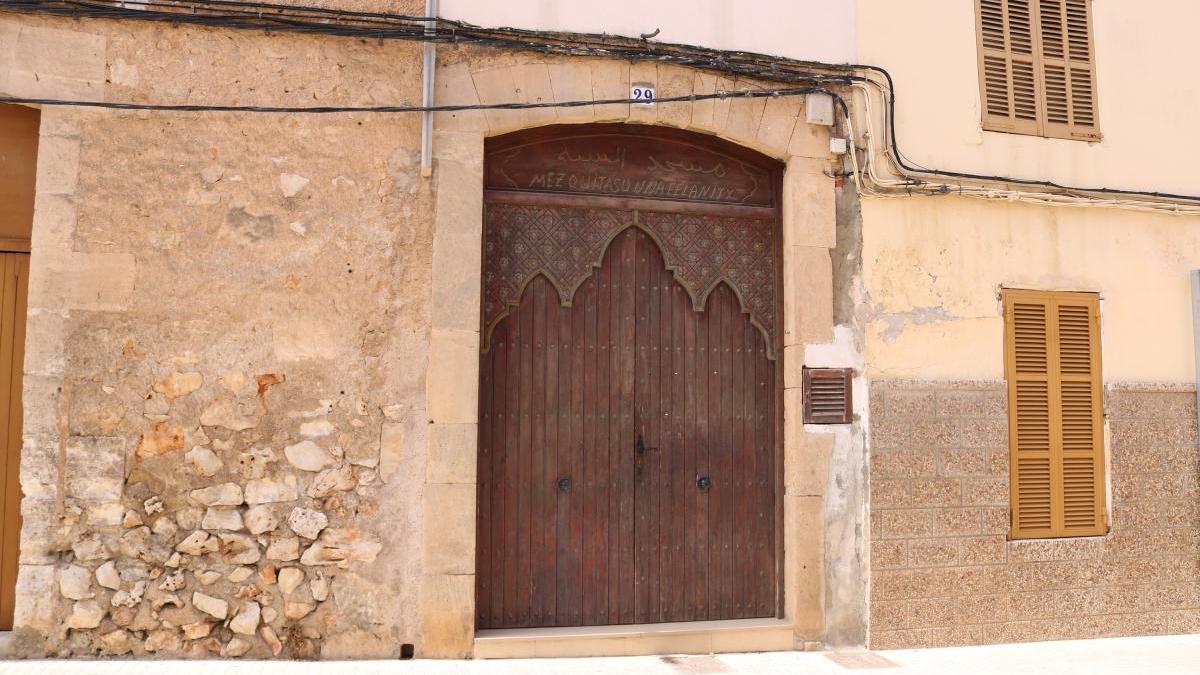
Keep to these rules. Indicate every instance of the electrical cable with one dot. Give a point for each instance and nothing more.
(307, 19)
(186, 107)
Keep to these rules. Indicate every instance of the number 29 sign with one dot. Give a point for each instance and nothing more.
(642, 94)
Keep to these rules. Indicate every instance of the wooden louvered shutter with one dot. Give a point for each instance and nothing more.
(1037, 67)
(1068, 69)
(1055, 415)
(1007, 66)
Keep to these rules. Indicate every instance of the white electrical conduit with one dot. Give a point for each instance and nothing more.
(872, 184)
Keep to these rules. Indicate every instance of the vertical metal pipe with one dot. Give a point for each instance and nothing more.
(1196, 336)
(430, 64)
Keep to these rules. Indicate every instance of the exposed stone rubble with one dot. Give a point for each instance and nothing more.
(218, 548)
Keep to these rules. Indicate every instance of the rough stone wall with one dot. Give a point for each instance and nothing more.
(942, 570)
(243, 324)
(228, 334)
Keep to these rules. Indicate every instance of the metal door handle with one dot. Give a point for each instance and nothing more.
(564, 484)
(704, 483)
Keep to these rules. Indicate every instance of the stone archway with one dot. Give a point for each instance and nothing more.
(630, 399)
(776, 128)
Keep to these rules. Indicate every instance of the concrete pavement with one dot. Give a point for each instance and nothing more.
(1161, 655)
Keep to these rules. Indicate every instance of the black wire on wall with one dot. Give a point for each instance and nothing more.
(327, 21)
(189, 107)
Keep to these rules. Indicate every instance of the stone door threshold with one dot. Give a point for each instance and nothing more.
(691, 637)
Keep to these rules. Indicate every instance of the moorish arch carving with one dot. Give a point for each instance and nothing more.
(557, 196)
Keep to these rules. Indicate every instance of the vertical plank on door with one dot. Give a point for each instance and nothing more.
(484, 530)
(627, 480)
(562, 453)
(546, 524)
(540, 496)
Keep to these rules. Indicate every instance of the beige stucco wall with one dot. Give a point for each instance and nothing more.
(933, 266)
(1145, 60)
(943, 570)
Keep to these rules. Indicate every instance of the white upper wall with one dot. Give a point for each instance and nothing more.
(813, 30)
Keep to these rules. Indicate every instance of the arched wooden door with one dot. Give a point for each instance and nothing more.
(629, 387)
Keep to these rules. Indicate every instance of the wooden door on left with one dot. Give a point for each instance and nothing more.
(14, 289)
(19, 130)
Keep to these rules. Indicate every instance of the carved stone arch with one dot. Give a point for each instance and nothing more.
(556, 196)
(567, 288)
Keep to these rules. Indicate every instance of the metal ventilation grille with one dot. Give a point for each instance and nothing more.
(827, 398)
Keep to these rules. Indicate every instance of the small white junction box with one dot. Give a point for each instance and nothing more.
(818, 109)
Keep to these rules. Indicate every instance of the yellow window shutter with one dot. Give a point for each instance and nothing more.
(1052, 361)
(1068, 69)
(1082, 420)
(1030, 426)
(1007, 66)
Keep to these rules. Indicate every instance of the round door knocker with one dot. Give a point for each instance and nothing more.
(704, 483)
(564, 484)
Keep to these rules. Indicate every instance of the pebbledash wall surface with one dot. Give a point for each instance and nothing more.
(251, 385)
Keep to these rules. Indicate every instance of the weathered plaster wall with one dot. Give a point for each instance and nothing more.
(933, 268)
(942, 569)
(228, 339)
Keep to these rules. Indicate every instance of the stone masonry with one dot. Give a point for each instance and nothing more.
(942, 570)
(251, 376)
(228, 329)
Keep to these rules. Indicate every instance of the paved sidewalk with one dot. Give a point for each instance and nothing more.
(1165, 655)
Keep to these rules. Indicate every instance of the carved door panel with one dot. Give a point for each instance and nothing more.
(703, 409)
(629, 401)
(556, 523)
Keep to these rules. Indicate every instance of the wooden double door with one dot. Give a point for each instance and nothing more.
(629, 415)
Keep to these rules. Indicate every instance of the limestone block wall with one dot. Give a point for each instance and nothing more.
(942, 570)
(251, 380)
(225, 420)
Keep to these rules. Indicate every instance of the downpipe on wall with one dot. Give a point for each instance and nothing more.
(427, 73)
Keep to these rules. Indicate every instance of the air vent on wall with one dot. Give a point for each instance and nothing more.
(827, 397)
